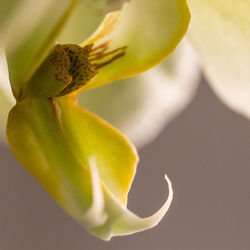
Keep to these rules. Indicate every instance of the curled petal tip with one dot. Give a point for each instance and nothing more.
(129, 223)
(170, 188)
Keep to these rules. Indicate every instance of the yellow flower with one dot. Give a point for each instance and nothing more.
(84, 163)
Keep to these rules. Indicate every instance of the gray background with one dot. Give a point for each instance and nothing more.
(205, 152)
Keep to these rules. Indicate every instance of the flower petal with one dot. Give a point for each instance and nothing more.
(7, 100)
(4, 110)
(31, 34)
(220, 32)
(95, 215)
(4, 78)
(136, 38)
(115, 157)
(36, 138)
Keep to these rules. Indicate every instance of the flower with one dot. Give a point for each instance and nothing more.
(84, 163)
(219, 32)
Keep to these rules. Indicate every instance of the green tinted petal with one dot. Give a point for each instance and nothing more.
(220, 31)
(136, 38)
(35, 136)
(31, 34)
(115, 157)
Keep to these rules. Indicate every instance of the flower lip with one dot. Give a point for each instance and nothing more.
(81, 70)
(85, 62)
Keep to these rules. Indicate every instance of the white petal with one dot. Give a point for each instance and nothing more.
(4, 78)
(220, 32)
(7, 100)
(95, 215)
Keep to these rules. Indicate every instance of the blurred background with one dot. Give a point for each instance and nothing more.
(204, 151)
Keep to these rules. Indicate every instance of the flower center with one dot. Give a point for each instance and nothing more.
(80, 68)
(84, 63)
(69, 67)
